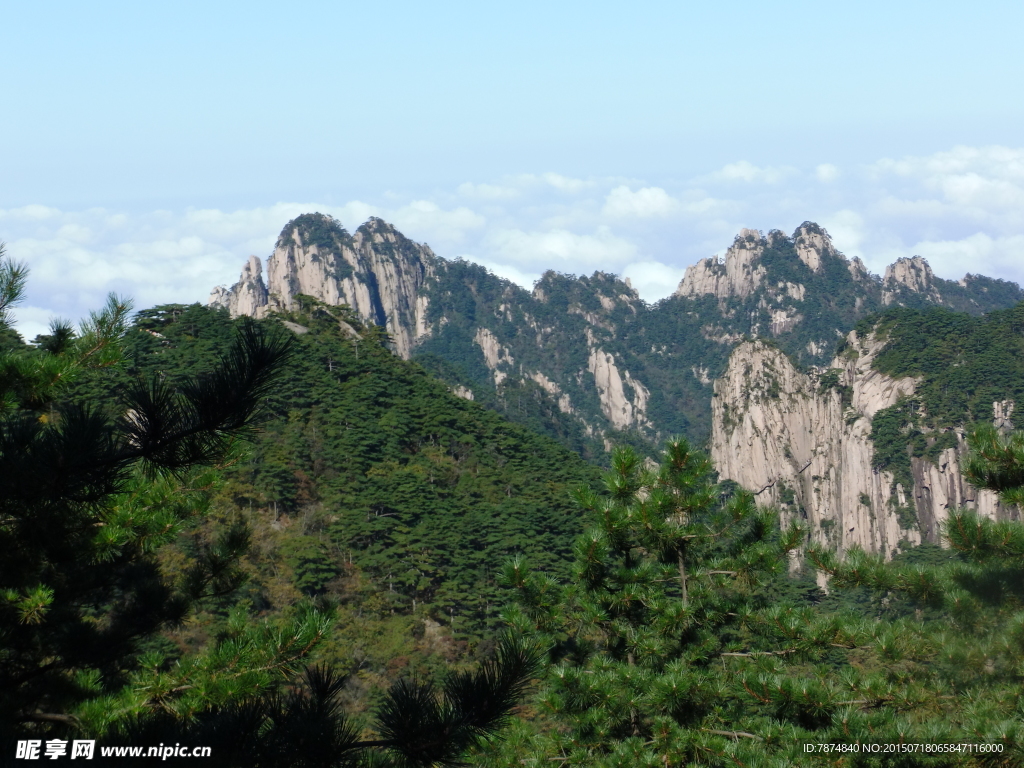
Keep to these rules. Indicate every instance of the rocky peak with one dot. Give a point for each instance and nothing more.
(246, 297)
(737, 274)
(909, 274)
(740, 273)
(601, 293)
(378, 272)
(857, 269)
(314, 229)
(913, 273)
(812, 244)
(378, 231)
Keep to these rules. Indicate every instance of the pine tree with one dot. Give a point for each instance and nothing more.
(975, 649)
(416, 725)
(91, 492)
(683, 641)
(668, 585)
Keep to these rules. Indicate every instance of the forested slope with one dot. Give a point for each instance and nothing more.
(370, 487)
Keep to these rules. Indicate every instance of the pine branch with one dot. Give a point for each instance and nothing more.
(49, 717)
(733, 734)
(762, 653)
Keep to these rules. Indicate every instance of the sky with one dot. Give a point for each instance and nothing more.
(148, 149)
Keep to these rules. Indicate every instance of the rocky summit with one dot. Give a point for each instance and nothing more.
(377, 271)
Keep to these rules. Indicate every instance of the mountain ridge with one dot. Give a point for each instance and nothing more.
(588, 350)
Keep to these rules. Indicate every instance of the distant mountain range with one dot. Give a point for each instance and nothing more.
(584, 358)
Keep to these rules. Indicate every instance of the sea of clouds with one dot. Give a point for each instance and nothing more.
(962, 209)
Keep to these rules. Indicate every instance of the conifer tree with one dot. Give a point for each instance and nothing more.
(91, 491)
(416, 725)
(681, 640)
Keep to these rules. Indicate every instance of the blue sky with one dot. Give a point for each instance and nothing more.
(149, 148)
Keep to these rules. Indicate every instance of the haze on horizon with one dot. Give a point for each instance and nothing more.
(150, 149)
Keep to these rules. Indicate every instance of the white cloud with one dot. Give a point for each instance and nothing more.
(826, 173)
(562, 250)
(952, 259)
(522, 278)
(427, 221)
(567, 184)
(979, 183)
(622, 202)
(29, 212)
(32, 321)
(653, 280)
(992, 161)
(896, 208)
(846, 228)
(751, 174)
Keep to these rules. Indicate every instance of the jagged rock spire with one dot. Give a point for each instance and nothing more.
(377, 271)
(740, 272)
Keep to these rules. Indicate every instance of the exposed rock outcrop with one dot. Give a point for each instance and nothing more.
(564, 403)
(246, 297)
(464, 392)
(911, 274)
(1002, 413)
(737, 274)
(811, 243)
(377, 271)
(623, 398)
(807, 448)
(496, 356)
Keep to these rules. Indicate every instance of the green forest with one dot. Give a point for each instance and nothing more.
(277, 538)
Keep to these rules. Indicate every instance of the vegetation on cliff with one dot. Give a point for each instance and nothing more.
(675, 347)
(965, 364)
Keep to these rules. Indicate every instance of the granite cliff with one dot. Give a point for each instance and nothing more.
(803, 441)
(377, 271)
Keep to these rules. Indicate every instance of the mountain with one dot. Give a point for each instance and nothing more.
(584, 359)
(377, 271)
(869, 452)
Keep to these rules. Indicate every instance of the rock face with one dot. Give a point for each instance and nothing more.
(623, 398)
(807, 449)
(912, 275)
(497, 357)
(737, 274)
(246, 297)
(812, 243)
(378, 272)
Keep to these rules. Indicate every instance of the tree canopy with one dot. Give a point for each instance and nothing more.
(682, 641)
(96, 490)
